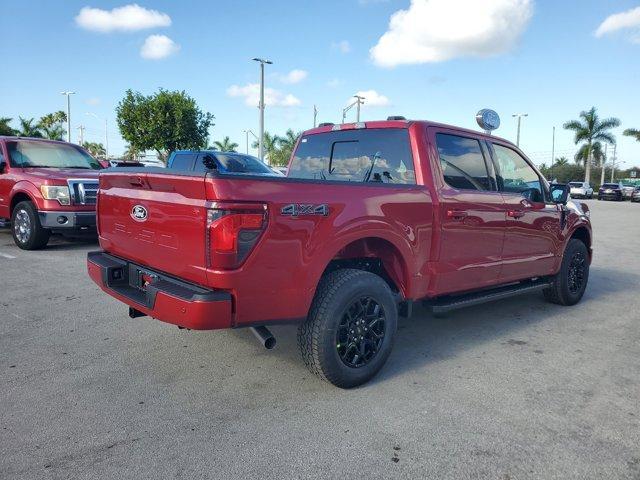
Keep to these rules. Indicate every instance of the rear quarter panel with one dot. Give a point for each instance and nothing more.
(279, 278)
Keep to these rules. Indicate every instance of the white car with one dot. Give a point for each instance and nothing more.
(581, 190)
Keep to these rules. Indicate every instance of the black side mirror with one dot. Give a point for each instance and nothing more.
(559, 193)
(3, 165)
(209, 162)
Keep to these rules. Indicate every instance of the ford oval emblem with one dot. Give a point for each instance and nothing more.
(139, 213)
(488, 119)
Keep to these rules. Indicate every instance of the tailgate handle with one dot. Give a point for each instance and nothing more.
(136, 182)
(515, 213)
(456, 214)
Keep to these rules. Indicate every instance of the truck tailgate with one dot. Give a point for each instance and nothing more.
(155, 219)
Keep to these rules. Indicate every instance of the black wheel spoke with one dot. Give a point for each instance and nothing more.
(360, 332)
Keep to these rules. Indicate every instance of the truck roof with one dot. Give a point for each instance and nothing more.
(398, 124)
(35, 139)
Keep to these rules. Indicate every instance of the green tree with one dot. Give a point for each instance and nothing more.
(164, 122)
(224, 145)
(286, 145)
(561, 161)
(51, 125)
(5, 128)
(95, 149)
(28, 128)
(597, 154)
(632, 132)
(590, 128)
(130, 153)
(270, 146)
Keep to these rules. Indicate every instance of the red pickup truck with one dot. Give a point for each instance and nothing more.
(46, 187)
(370, 218)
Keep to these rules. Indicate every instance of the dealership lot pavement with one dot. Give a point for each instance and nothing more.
(510, 390)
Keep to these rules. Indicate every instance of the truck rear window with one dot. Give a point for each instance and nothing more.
(364, 155)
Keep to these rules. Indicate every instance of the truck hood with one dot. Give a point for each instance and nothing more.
(61, 174)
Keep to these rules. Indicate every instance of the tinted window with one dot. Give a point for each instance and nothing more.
(610, 185)
(241, 164)
(27, 154)
(183, 161)
(462, 162)
(515, 175)
(576, 184)
(374, 155)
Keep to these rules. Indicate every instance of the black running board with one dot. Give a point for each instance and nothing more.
(448, 303)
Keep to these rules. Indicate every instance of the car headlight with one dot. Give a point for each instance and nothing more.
(56, 192)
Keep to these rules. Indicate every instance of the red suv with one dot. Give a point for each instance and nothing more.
(46, 187)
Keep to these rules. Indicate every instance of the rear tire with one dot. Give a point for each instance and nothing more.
(27, 232)
(571, 281)
(349, 332)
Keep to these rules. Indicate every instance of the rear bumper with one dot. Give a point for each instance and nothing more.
(67, 220)
(164, 298)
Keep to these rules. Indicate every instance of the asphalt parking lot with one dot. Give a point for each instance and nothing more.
(510, 390)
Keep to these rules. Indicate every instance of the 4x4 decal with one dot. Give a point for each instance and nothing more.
(298, 209)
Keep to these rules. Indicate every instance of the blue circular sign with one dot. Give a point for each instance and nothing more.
(488, 119)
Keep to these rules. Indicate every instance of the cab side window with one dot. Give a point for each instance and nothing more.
(462, 162)
(183, 161)
(515, 175)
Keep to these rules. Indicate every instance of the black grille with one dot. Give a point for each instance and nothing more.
(84, 192)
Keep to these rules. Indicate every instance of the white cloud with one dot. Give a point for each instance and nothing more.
(126, 19)
(272, 97)
(439, 30)
(334, 83)
(621, 21)
(157, 47)
(294, 76)
(342, 46)
(371, 99)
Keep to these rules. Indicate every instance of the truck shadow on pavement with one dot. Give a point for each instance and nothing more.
(423, 338)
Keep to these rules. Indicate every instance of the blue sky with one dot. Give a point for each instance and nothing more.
(439, 60)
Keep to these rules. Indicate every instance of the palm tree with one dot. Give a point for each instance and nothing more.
(130, 153)
(561, 161)
(51, 125)
(590, 128)
(95, 149)
(28, 128)
(286, 144)
(5, 128)
(226, 145)
(597, 154)
(632, 132)
(270, 145)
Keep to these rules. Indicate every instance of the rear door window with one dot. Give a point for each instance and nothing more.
(183, 161)
(462, 162)
(362, 155)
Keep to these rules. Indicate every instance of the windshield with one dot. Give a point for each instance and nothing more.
(360, 155)
(610, 185)
(241, 164)
(27, 154)
(576, 184)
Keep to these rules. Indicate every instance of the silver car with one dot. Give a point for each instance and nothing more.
(581, 190)
(627, 190)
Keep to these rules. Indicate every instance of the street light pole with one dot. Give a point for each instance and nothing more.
(68, 94)
(519, 115)
(247, 132)
(358, 102)
(315, 116)
(613, 162)
(261, 106)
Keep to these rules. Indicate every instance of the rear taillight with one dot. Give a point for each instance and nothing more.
(233, 229)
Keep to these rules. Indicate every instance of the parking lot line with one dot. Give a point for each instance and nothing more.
(6, 255)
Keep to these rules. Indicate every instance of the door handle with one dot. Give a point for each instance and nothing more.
(456, 214)
(515, 213)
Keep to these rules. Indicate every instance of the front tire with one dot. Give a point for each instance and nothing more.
(348, 334)
(571, 281)
(28, 234)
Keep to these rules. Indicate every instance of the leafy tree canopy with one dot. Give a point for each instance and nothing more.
(164, 122)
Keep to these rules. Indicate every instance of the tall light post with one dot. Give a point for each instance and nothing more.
(359, 101)
(68, 94)
(262, 62)
(519, 116)
(106, 134)
(315, 116)
(247, 132)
